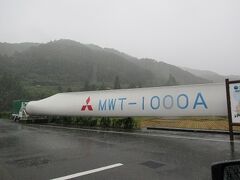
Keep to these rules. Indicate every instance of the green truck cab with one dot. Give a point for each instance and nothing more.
(19, 110)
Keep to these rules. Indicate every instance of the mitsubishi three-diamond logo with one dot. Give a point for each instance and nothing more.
(87, 106)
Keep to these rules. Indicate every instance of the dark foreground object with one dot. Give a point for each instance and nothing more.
(40, 152)
(226, 170)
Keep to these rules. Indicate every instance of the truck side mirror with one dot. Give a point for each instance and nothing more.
(227, 170)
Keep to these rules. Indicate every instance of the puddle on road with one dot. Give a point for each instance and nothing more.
(153, 164)
(28, 162)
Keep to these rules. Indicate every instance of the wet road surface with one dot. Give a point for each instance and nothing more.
(40, 152)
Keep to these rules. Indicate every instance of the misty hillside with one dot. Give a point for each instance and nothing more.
(212, 76)
(68, 63)
(162, 70)
(9, 49)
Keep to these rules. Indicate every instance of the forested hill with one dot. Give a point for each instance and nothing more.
(212, 76)
(66, 62)
(66, 65)
(9, 49)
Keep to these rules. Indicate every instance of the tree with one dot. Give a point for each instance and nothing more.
(171, 81)
(59, 89)
(10, 89)
(86, 86)
(69, 89)
(102, 87)
(93, 87)
(132, 85)
(117, 83)
(139, 85)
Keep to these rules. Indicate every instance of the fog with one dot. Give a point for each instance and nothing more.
(197, 34)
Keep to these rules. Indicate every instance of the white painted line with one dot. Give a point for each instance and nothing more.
(88, 172)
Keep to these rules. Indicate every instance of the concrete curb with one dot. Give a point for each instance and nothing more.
(192, 130)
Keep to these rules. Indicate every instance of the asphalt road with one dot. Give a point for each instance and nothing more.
(39, 152)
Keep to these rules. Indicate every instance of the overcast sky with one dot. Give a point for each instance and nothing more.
(201, 34)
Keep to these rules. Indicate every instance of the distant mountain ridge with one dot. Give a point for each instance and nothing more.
(212, 76)
(159, 69)
(9, 49)
(66, 63)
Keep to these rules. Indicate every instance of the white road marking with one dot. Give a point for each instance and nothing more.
(143, 134)
(88, 172)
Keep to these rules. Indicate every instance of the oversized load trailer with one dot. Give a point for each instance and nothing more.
(19, 113)
(187, 100)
